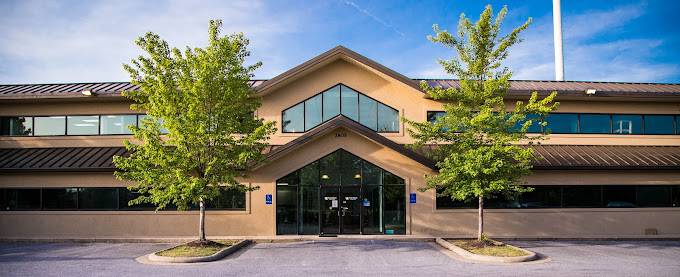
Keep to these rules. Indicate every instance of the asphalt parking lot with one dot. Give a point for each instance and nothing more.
(342, 258)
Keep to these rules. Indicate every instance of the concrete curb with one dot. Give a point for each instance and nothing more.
(214, 257)
(482, 258)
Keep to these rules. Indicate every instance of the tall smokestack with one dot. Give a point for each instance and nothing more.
(557, 29)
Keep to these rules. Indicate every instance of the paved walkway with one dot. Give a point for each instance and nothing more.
(342, 258)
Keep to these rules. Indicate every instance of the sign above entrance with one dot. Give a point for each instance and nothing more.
(268, 199)
(413, 198)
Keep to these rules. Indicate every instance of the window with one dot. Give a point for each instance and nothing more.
(349, 103)
(563, 123)
(368, 108)
(82, 125)
(432, 116)
(595, 124)
(335, 101)
(542, 197)
(654, 196)
(124, 198)
(50, 125)
(294, 119)
(627, 124)
(97, 198)
(19, 199)
(117, 124)
(60, 198)
(606, 196)
(619, 196)
(16, 126)
(313, 114)
(331, 103)
(659, 125)
(141, 117)
(229, 199)
(388, 119)
(299, 199)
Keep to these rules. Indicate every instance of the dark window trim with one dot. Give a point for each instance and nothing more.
(118, 199)
(304, 124)
(676, 128)
(602, 205)
(137, 115)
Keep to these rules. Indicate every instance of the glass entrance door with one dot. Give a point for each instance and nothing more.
(340, 194)
(341, 210)
(330, 211)
(350, 210)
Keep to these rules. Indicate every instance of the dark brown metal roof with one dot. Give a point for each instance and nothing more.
(23, 91)
(517, 87)
(606, 157)
(548, 157)
(578, 88)
(59, 159)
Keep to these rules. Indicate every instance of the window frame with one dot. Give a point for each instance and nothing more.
(304, 111)
(676, 123)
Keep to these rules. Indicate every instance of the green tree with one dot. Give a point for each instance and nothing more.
(479, 152)
(202, 97)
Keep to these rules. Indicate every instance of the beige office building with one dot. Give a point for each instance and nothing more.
(338, 162)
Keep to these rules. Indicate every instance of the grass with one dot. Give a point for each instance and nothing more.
(196, 250)
(488, 248)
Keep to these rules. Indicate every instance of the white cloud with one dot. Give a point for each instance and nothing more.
(47, 42)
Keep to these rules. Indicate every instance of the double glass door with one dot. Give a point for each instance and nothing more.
(340, 194)
(341, 210)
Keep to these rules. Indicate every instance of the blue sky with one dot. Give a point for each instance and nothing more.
(86, 41)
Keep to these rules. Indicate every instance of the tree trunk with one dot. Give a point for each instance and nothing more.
(201, 221)
(480, 229)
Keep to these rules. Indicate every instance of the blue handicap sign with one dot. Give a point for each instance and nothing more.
(413, 198)
(268, 199)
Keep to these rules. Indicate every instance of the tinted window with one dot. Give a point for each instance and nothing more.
(563, 123)
(371, 174)
(368, 112)
(654, 196)
(229, 199)
(141, 117)
(16, 126)
(286, 210)
(659, 125)
(22, 199)
(351, 169)
(349, 103)
(394, 214)
(312, 112)
(619, 196)
(308, 203)
(535, 123)
(117, 124)
(595, 124)
(388, 119)
(331, 103)
(675, 196)
(124, 198)
(98, 198)
(627, 124)
(329, 169)
(60, 199)
(293, 119)
(542, 197)
(50, 125)
(82, 125)
(581, 196)
(433, 116)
